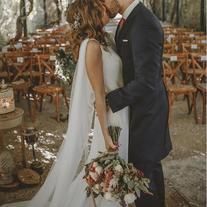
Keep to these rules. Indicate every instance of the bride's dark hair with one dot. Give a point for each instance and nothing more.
(85, 20)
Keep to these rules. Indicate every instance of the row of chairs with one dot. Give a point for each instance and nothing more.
(184, 67)
(29, 65)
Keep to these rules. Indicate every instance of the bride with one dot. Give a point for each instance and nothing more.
(98, 72)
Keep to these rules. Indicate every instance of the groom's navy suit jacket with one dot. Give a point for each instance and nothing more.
(140, 46)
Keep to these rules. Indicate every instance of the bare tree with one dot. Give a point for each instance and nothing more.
(45, 12)
(21, 22)
(58, 11)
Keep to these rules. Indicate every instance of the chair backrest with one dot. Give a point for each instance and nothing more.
(18, 62)
(170, 48)
(199, 62)
(193, 47)
(173, 64)
(46, 65)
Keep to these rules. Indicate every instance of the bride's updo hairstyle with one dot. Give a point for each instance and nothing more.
(85, 20)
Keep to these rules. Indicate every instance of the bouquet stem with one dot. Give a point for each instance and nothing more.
(93, 200)
(132, 205)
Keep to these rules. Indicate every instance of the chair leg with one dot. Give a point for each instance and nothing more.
(51, 99)
(35, 99)
(57, 103)
(29, 105)
(41, 102)
(31, 108)
(195, 108)
(193, 103)
(188, 103)
(65, 98)
(170, 98)
(204, 108)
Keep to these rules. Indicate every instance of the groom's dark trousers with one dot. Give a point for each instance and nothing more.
(140, 46)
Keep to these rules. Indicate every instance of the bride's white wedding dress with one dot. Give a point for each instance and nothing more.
(64, 186)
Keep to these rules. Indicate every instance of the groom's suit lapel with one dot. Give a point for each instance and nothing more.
(119, 35)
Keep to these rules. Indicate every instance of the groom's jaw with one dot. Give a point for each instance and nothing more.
(113, 7)
(124, 4)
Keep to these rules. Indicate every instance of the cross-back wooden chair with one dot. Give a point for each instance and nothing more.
(193, 47)
(172, 66)
(18, 63)
(47, 85)
(170, 38)
(199, 62)
(170, 48)
(201, 39)
(46, 67)
(4, 72)
(199, 66)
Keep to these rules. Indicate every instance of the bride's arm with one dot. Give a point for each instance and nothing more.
(94, 67)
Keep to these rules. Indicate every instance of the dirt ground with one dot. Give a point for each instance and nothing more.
(185, 167)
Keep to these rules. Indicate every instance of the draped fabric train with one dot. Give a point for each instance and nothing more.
(63, 186)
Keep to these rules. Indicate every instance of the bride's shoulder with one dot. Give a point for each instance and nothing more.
(93, 51)
(93, 46)
(91, 42)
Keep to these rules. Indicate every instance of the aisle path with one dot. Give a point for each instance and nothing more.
(19, 204)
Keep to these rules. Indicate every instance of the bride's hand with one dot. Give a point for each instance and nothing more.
(110, 146)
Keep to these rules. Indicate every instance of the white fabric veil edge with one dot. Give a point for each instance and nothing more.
(72, 150)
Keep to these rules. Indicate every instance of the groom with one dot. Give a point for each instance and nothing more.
(139, 41)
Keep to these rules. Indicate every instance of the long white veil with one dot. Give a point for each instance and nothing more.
(74, 145)
(53, 192)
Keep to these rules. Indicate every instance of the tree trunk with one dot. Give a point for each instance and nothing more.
(203, 15)
(163, 10)
(177, 13)
(45, 13)
(58, 11)
(23, 13)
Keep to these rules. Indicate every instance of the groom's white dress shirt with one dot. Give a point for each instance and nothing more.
(129, 9)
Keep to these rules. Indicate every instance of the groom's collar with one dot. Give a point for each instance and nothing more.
(129, 9)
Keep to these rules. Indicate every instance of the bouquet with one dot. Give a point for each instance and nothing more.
(112, 178)
(64, 66)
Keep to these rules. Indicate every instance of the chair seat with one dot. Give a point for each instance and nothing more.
(197, 71)
(44, 89)
(20, 85)
(181, 89)
(202, 87)
(5, 74)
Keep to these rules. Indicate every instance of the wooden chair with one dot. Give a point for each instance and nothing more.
(170, 38)
(42, 67)
(18, 63)
(53, 90)
(170, 48)
(193, 47)
(46, 86)
(172, 65)
(201, 39)
(4, 72)
(196, 70)
(199, 62)
(201, 90)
